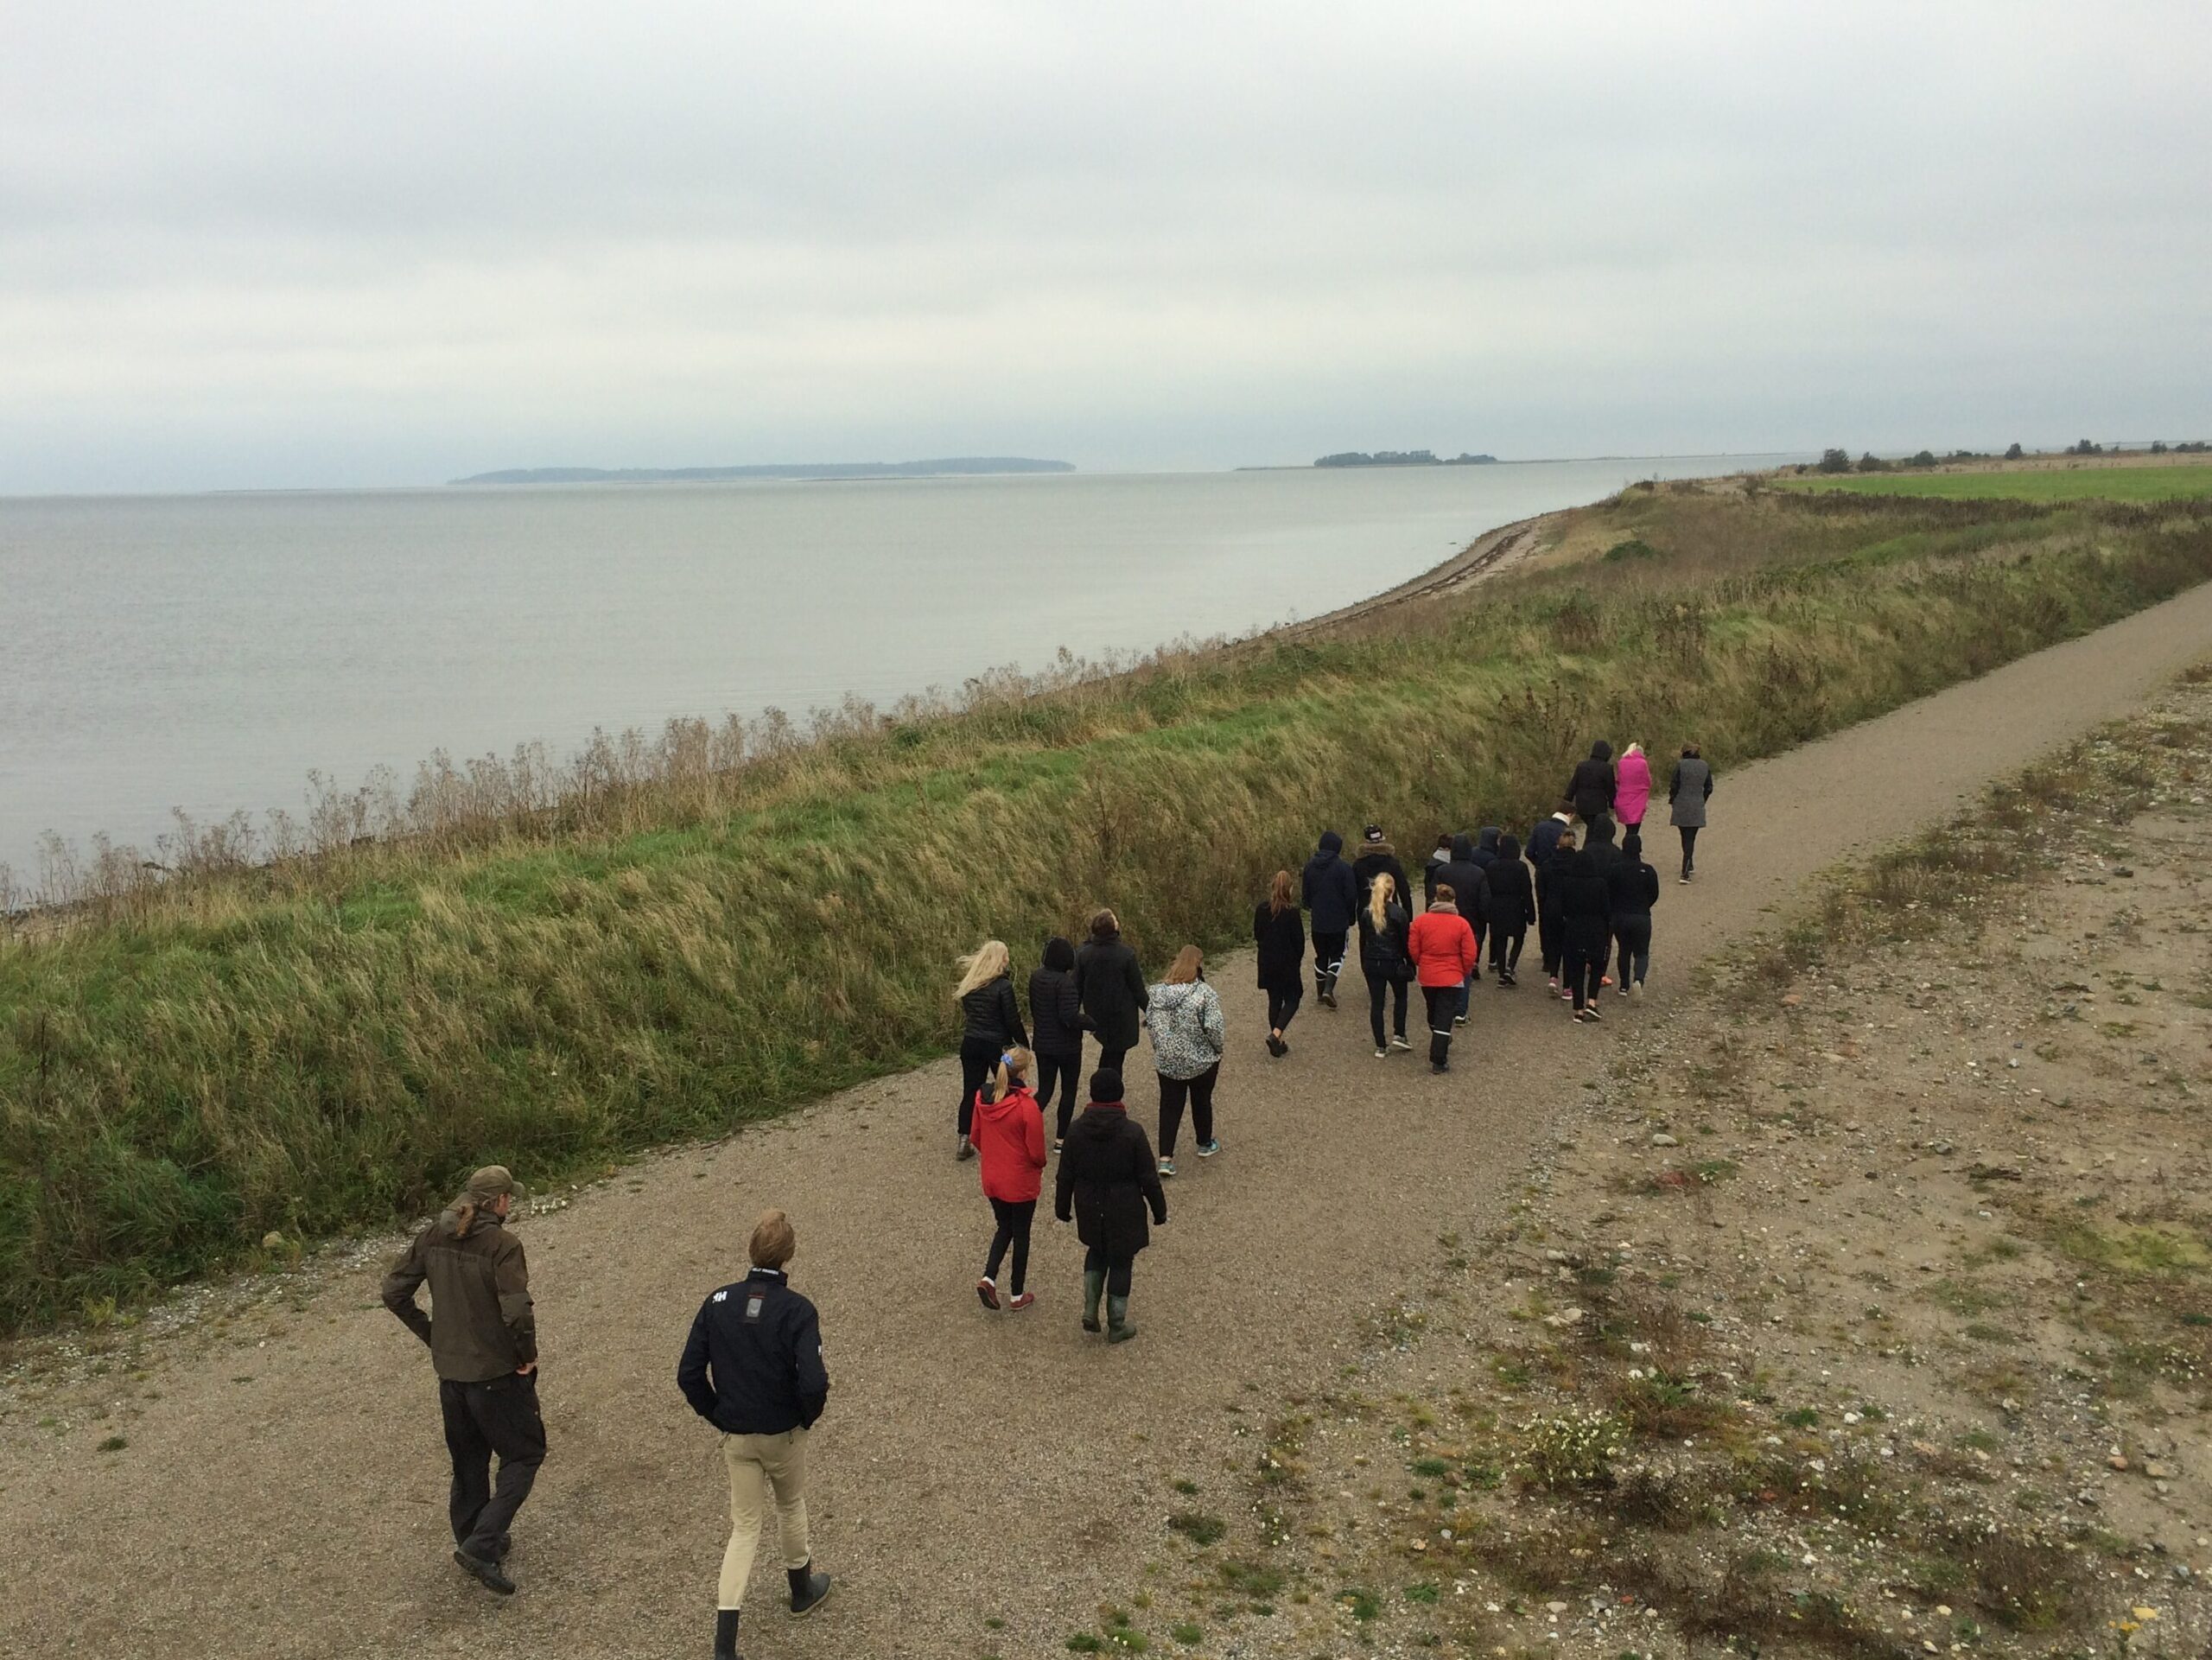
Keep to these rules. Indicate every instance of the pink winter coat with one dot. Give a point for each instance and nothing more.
(1634, 792)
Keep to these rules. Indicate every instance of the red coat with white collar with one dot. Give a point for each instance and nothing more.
(1009, 1135)
(1442, 947)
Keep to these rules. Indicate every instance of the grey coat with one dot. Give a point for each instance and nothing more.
(1692, 783)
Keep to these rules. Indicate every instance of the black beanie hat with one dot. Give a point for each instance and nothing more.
(1106, 1086)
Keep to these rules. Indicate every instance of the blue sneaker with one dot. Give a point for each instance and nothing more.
(1207, 1150)
(1168, 1166)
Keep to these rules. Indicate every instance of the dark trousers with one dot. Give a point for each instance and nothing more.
(1328, 958)
(1198, 1092)
(1551, 938)
(1481, 928)
(1013, 1219)
(1065, 1071)
(1283, 1005)
(1632, 936)
(977, 1056)
(1377, 985)
(1443, 1008)
(1689, 845)
(1115, 1268)
(1110, 1057)
(482, 1418)
(1506, 947)
(1583, 966)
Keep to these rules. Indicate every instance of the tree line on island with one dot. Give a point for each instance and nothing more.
(1402, 458)
(1839, 461)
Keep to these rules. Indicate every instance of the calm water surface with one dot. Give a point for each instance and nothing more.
(204, 652)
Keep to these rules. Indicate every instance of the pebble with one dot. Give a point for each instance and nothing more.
(1663, 1139)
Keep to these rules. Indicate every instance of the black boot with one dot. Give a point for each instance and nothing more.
(726, 1634)
(807, 1588)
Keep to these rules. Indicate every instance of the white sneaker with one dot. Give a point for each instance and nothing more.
(1400, 1043)
(1382, 1054)
(1637, 991)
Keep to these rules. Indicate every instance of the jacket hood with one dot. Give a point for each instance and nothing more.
(1601, 833)
(1332, 842)
(1382, 847)
(1463, 851)
(1167, 996)
(1508, 847)
(1008, 1104)
(1058, 954)
(1489, 837)
(1098, 1121)
(1601, 751)
(1111, 937)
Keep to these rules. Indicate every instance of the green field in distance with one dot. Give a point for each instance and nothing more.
(2145, 483)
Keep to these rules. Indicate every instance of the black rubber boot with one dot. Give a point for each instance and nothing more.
(726, 1634)
(807, 1588)
(1118, 1329)
(1094, 1288)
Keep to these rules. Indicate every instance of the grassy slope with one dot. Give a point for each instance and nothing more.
(325, 1045)
(2139, 483)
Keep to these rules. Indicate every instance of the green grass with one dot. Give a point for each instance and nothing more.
(328, 1043)
(2059, 484)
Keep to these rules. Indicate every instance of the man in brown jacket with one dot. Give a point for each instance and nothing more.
(483, 1341)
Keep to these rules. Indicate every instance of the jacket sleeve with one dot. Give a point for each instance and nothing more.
(691, 1370)
(1033, 1137)
(1010, 1006)
(1347, 885)
(1154, 1194)
(1064, 1190)
(1708, 782)
(813, 1372)
(512, 1278)
(1470, 953)
(399, 1288)
(1071, 1015)
(1216, 1028)
(1674, 783)
(1136, 976)
(1649, 879)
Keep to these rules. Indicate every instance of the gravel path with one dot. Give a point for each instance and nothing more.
(282, 1490)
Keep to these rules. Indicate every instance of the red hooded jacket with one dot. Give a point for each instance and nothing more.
(1442, 947)
(1009, 1135)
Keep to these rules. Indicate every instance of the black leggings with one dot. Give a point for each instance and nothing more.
(1065, 1071)
(1551, 936)
(1689, 845)
(1376, 987)
(1283, 1005)
(1115, 1268)
(1584, 965)
(1198, 1090)
(1328, 957)
(1632, 935)
(1505, 948)
(1443, 1009)
(1110, 1057)
(1013, 1229)
(977, 1056)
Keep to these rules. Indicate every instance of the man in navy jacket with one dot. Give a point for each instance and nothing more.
(753, 1367)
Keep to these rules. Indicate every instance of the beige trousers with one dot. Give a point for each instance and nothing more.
(759, 1466)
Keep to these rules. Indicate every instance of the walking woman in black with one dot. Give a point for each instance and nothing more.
(1108, 1180)
(1110, 986)
(1279, 933)
(1512, 908)
(992, 1026)
(1056, 1008)
(1585, 906)
(1383, 921)
(1594, 783)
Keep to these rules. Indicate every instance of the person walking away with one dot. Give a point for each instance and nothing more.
(1632, 791)
(1687, 791)
(1107, 1182)
(753, 1367)
(1591, 787)
(1111, 988)
(1470, 884)
(1442, 947)
(1279, 932)
(1633, 889)
(1188, 1041)
(1486, 844)
(482, 1335)
(1439, 856)
(1331, 894)
(1010, 1136)
(1383, 925)
(1376, 857)
(1056, 1014)
(1512, 908)
(1586, 919)
(1545, 842)
(991, 1025)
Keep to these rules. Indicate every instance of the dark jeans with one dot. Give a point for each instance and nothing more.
(1505, 948)
(1689, 845)
(1328, 958)
(977, 1056)
(1066, 1071)
(1198, 1092)
(1633, 936)
(481, 1419)
(1110, 1057)
(1551, 938)
(1283, 1005)
(1376, 987)
(1115, 1268)
(1013, 1229)
(1443, 1007)
(1583, 966)
(1480, 929)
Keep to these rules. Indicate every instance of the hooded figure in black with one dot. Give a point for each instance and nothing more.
(1512, 908)
(1108, 1180)
(1463, 875)
(1486, 846)
(1056, 1012)
(1634, 886)
(1594, 782)
(1111, 988)
(1330, 894)
(1586, 912)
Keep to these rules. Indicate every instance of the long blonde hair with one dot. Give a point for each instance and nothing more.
(1385, 889)
(982, 966)
(1185, 969)
(1636, 749)
(1013, 1067)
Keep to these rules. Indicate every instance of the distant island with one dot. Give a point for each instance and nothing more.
(949, 465)
(1402, 458)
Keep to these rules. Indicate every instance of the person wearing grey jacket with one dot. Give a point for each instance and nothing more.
(1687, 794)
(1189, 1038)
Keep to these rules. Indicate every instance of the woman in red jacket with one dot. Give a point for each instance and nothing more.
(1009, 1132)
(1442, 946)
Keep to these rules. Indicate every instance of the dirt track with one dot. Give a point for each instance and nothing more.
(282, 1490)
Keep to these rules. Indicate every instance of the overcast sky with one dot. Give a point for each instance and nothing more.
(247, 244)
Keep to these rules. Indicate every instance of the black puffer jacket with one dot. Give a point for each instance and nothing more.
(1512, 891)
(1108, 1180)
(1055, 1006)
(1585, 900)
(1382, 951)
(1331, 891)
(1110, 986)
(1469, 882)
(1633, 887)
(1281, 937)
(1375, 858)
(993, 1015)
(1594, 783)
